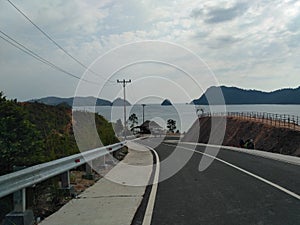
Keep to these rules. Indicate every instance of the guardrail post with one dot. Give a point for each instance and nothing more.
(294, 122)
(65, 180)
(65, 184)
(19, 215)
(104, 161)
(88, 167)
(89, 171)
(20, 200)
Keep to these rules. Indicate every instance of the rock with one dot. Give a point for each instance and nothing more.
(166, 102)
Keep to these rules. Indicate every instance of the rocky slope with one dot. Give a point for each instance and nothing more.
(266, 137)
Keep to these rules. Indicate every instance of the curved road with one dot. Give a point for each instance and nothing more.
(225, 193)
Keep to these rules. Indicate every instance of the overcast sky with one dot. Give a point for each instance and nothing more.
(250, 44)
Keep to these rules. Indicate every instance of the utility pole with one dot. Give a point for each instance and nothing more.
(124, 82)
(143, 112)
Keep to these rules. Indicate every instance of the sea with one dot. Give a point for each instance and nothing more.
(184, 114)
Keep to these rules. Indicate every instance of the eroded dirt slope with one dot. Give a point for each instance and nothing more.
(266, 137)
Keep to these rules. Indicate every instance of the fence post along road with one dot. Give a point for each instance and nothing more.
(18, 181)
(277, 120)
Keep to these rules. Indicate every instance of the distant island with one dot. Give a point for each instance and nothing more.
(238, 96)
(80, 101)
(166, 102)
(120, 102)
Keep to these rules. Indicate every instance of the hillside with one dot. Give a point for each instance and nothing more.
(120, 102)
(234, 95)
(266, 137)
(79, 101)
(33, 133)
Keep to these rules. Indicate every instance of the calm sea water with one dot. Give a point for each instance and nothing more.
(185, 114)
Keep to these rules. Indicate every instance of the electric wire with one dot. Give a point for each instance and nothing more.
(31, 53)
(54, 42)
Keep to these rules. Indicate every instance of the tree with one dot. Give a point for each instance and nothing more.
(118, 127)
(20, 141)
(133, 119)
(171, 125)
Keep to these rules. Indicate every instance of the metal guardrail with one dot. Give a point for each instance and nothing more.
(278, 120)
(30, 176)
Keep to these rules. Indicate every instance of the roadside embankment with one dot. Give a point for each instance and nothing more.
(266, 137)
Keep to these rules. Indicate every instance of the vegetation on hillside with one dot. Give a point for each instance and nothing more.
(79, 101)
(32, 133)
(20, 140)
(234, 95)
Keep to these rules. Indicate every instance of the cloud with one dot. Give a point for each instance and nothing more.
(223, 41)
(220, 15)
(217, 14)
(196, 13)
(294, 24)
(238, 39)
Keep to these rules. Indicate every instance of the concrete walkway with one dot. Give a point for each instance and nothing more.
(113, 200)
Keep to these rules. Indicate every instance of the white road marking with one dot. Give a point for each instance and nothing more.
(151, 201)
(269, 155)
(246, 172)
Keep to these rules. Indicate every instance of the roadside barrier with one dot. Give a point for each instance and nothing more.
(273, 119)
(18, 181)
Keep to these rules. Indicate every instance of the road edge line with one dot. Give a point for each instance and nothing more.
(151, 201)
(248, 173)
(294, 160)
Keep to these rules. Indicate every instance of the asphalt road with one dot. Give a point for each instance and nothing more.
(225, 195)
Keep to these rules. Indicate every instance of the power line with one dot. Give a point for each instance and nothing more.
(38, 58)
(31, 53)
(53, 41)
